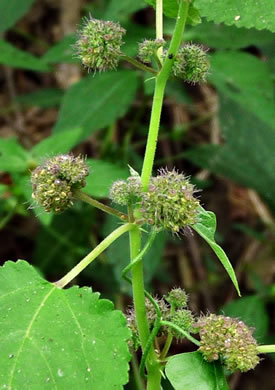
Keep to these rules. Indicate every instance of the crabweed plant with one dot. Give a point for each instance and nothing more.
(77, 340)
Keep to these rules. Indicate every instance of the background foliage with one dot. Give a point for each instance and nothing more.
(222, 133)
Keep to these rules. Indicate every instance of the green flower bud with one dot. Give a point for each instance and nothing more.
(184, 319)
(124, 192)
(98, 45)
(177, 297)
(191, 64)
(148, 48)
(53, 182)
(229, 339)
(169, 202)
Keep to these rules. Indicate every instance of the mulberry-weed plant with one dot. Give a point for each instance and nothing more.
(144, 204)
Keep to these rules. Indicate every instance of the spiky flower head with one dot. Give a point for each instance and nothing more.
(169, 202)
(177, 297)
(123, 192)
(53, 182)
(148, 48)
(183, 319)
(98, 44)
(191, 64)
(230, 339)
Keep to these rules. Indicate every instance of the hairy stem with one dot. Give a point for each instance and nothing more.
(107, 209)
(138, 64)
(94, 254)
(160, 85)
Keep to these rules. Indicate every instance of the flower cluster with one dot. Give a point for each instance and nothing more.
(123, 192)
(169, 202)
(148, 49)
(229, 339)
(191, 64)
(98, 45)
(53, 182)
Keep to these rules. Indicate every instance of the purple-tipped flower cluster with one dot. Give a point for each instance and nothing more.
(229, 339)
(98, 45)
(191, 64)
(148, 49)
(53, 182)
(123, 192)
(169, 202)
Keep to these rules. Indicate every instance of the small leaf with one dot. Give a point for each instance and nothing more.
(252, 311)
(206, 228)
(101, 177)
(245, 13)
(13, 158)
(97, 101)
(10, 55)
(58, 339)
(11, 11)
(57, 143)
(190, 371)
(44, 98)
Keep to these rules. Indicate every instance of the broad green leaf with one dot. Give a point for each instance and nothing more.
(121, 10)
(57, 143)
(11, 11)
(220, 36)
(245, 79)
(189, 371)
(97, 101)
(247, 156)
(13, 158)
(62, 51)
(206, 228)
(171, 7)
(16, 58)
(246, 13)
(102, 175)
(44, 98)
(252, 311)
(58, 339)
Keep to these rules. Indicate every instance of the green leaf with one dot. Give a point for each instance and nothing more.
(102, 175)
(245, 79)
(11, 11)
(97, 101)
(13, 158)
(206, 228)
(62, 51)
(43, 98)
(57, 143)
(245, 13)
(11, 56)
(121, 10)
(248, 153)
(58, 339)
(190, 371)
(171, 7)
(252, 311)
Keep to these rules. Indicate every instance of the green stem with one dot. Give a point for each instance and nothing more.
(160, 85)
(138, 64)
(94, 254)
(178, 329)
(266, 348)
(169, 338)
(109, 210)
(159, 26)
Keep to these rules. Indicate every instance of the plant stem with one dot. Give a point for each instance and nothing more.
(183, 332)
(159, 26)
(138, 64)
(266, 348)
(160, 85)
(107, 209)
(169, 338)
(94, 254)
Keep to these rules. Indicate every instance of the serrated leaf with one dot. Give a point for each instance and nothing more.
(11, 11)
(190, 371)
(247, 156)
(245, 79)
(97, 101)
(245, 13)
(43, 98)
(206, 228)
(252, 311)
(11, 56)
(102, 175)
(59, 339)
(62, 51)
(57, 143)
(13, 158)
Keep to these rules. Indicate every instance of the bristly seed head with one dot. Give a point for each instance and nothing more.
(98, 45)
(148, 49)
(53, 182)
